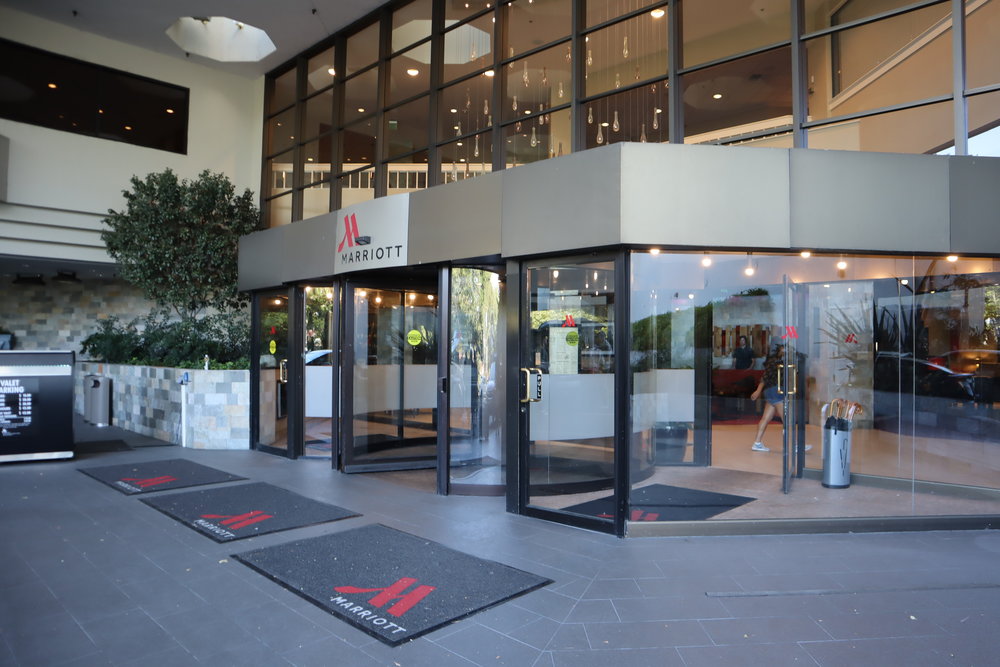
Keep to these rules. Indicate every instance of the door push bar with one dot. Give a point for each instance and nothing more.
(532, 390)
(795, 380)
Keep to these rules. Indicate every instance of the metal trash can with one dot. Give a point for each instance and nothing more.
(836, 451)
(97, 400)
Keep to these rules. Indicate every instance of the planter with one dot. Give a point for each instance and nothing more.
(148, 400)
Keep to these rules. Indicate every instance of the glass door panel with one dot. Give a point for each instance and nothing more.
(568, 387)
(476, 393)
(391, 412)
(272, 332)
(320, 363)
(788, 384)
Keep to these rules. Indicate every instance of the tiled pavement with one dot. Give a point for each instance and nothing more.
(89, 576)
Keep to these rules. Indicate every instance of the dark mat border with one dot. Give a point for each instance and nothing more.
(385, 640)
(641, 505)
(238, 478)
(243, 537)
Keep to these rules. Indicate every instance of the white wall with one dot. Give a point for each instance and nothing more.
(60, 184)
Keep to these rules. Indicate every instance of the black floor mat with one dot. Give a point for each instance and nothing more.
(133, 478)
(659, 502)
(387, 583)
(100, 446)
(236, 511)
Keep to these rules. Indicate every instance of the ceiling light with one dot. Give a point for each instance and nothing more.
(706, 261)
(749, 271)
(952, 258)
(413, 71)
(489, 73)
(717, 96)
(170, 111)
(128, 127)
(904, 281)
(805, 254)
(657, 13)
(53, 86)
(841, 265)
(454, 110)
(430, 297)
(331, 72)
(654, 251)
(220, 38)
(361, 109)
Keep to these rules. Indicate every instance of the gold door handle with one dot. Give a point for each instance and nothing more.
(527, 385)
(781, 374)
(795, 380)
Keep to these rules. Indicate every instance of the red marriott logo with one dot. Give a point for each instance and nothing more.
(405, 601)
(149, 481)
(237, 521)
(351, 237)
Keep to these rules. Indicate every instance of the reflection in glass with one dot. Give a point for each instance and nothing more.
(738, 98)
(820, 14)
(537, 138)
(359, 144)
(981, 25)
(320, 72)
(411, 23)
(468, 47)
(409, 74)
(477, 390)
(749, 25)
(281, 169)
(626, 53)
(362, 48)
(407, 127)
(319, 375)
(913, 340)
(984, 121)
(532, 84)
(531, 24)
(283, 92)
(356, 187)
(394, 415)
(316, 198)
(896, 60)
(272, 332)
(360, 96)
(465, 107)
(319, 115)
(279, 210)
(639, 114)
(926, 129)
(281, 132)
(599, 11)
(407, 174)
(467, 158)
(571, 352)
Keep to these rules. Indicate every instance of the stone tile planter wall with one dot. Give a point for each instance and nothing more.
(147, 400)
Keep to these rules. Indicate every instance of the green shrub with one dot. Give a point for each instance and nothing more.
(113, 342)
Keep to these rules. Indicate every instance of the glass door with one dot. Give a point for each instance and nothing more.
(791, 377)
(568, 393)
(320, 363)
(272, 371)
(390, 379)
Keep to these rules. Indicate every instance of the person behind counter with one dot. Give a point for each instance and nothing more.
(743, 355)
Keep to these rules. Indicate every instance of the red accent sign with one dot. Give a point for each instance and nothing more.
(790, 332)
(394, 592)
(851, 338)
(569, 321)
(237, 521)
(149, 481)
(351, 236)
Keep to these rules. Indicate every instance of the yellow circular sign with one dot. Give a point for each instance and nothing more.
(273, 347)
(572, 338)
(414, 338)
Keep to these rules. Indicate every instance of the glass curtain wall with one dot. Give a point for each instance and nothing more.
(904, 349)
(514, 83)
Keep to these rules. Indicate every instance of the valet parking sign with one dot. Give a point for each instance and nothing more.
(372, 235)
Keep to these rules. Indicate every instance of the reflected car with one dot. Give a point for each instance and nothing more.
(319, 358)
(893, 369)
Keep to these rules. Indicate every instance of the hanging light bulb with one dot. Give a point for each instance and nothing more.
(458, 129)
(468, 100)
(600, 135)
(517, 126)
(642, 134)
(614, 124)
(534, 138)
(486, 107)
(524, 77)
(618, 80)
(590, 115)
(625, 47)
(590, 57)
(569, 53)
(637, 75)
(475, 152)
(454, 172)
(656, 119)
(510, 65)
(513, 106)
(545, 76)
(560, 90)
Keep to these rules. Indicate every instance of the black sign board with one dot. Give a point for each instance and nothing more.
(36, 405)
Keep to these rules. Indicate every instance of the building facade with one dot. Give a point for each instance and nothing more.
(593, 312)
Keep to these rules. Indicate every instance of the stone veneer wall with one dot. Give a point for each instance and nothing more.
(147, 400)
(58, 316)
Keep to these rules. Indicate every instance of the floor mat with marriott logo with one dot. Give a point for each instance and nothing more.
(236, 511)
(135, 478)
(390, 584)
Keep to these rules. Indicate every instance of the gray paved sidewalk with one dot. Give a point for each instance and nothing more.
(89, 576)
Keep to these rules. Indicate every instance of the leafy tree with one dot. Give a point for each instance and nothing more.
(177, 240)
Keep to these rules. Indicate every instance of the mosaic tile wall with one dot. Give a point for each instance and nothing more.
(58, 316)
(147, 400)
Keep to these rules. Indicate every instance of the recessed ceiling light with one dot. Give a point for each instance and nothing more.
(170, 111)
(657, 13)
(717, 96)
(454, 110)
(53, 86)
(413, 71)
(489, 72)
(128, 127)
(331, 72)
(805, 254)
(361, 109)
(952, 258)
